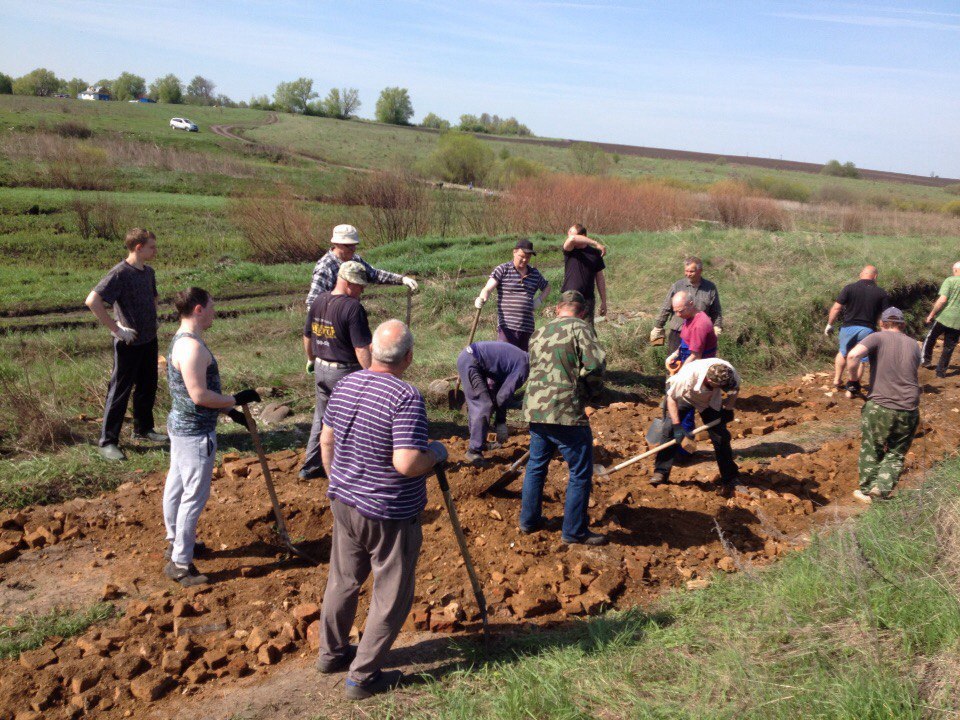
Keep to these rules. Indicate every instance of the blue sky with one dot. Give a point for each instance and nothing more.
(877, 84)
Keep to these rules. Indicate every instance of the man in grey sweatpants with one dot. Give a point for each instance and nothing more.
(376, 453)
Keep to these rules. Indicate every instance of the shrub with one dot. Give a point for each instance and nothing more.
(461, 158)
(510, 169)
(434, 121)
(834, 168)
(952, 208)
(71, 129)
(780, 188)
(100, 218)
(31, 416)
(277, 230)
(836, 194)
(732, 204)
(399, 203)
(394, 106)
(953, 188)
(589, 159)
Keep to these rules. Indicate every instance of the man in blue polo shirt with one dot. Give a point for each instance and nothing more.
(517, 284)
(376, 454)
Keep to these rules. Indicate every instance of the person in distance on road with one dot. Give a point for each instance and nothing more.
(336, 339)
(376, 453)
(131, 287)
(196, 402)
(583, 267)
(705, 297)
(490, 372)
(945, 316)
(517, 284)
(861, 303)
(891, 414)
(343, 248)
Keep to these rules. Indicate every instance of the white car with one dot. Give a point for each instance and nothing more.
(183, 124)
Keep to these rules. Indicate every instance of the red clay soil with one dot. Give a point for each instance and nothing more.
(259, 615)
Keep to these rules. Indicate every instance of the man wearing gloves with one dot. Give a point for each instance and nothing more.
(195, 406)
(343, 248)
(517, 284)
(705, 296)
(490, 373)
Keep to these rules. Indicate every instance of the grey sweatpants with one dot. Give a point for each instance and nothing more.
(327, 378)
(187, 490)
(388, 547)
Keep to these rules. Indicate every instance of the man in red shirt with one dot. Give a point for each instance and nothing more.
(698, 339)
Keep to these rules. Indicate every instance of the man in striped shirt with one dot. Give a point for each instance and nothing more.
(376, 453)
(517, 284)
(343, 248)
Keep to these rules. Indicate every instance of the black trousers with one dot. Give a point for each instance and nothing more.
(134, 370)
(950, 337)
(719, 436)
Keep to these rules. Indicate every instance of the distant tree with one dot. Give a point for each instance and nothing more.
(462, 158)
(224, 101)
(200, 91)
(128, 87)
(589, 159)
(511, 169)
(167, 89)
(394, 106)
(6, 84)
(493, 125)
(432, 120)
(834, 168)
(39, 82)
(294, 96)
(341, 103)
(105, 85)
(73, 87)
(261, 102)
(471, 123)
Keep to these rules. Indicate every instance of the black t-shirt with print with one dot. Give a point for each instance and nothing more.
(336, 325)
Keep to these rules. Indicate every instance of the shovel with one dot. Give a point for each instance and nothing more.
(277, 513)
(508, 477)
(464, 551)
(687, 444)
(456, 398)
(409, 305)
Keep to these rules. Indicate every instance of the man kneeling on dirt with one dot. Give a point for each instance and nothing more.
(195, 405)
(376, 453)
(891, 414)
(701, 384)
(490, 373)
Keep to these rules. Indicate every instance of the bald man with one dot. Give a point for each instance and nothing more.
(945, 319)
(861, 303)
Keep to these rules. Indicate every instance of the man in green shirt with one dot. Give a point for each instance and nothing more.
(566, 368)
(946, 310)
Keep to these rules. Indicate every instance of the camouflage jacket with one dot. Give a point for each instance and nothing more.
(566, 368)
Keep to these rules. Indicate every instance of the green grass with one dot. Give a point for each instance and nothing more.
(29, 631)
(865, 623)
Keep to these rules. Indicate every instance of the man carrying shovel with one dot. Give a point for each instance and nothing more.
(490, 373)
(195, 406)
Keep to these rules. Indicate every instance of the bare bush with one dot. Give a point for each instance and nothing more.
(605, 205)
(73, 129)
(30, 420)
(863, 219)
(277, 229)
(733, 204)
(99, 218)
(399, 204)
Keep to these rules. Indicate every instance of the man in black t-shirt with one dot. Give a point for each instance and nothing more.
(861, 303)
(583, 268)
(131, 288)
(336, 340)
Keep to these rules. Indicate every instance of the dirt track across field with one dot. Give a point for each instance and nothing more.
(245, 644)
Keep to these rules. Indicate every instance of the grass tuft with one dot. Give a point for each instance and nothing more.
(30, 631)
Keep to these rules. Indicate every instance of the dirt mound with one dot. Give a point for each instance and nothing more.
(796, 445)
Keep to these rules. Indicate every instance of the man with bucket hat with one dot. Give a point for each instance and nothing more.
(517, 284)
(343, 248)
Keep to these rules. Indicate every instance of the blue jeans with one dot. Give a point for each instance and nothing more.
(575, 443)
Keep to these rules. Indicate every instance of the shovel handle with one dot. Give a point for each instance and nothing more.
(409, 305)
(473, 332)
(658, 448)
(268, 478)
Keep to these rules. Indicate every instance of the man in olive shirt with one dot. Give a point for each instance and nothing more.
(705, 296)
(890, 416)
(946, 310)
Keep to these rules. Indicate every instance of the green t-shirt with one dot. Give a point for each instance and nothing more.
(950, 315)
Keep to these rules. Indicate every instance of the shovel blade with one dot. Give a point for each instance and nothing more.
(456, 399)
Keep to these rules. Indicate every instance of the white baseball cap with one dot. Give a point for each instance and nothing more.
(345, 235)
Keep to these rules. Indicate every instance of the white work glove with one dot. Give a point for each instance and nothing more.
(478, 303)
(718, 331)
(656, 334)
(410, 283)
(438, 450)
(125, 334)
(537, 302)
(503, 432)
(828, 329)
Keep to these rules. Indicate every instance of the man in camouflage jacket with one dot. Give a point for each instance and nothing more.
(566, 367)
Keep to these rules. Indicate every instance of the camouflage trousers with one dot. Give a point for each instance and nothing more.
(887, 435)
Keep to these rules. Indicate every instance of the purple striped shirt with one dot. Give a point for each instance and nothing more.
(515, 296)
(372, 414)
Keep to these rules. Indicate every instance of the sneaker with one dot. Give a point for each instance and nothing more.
(862, 496)
(312, 475)
(379, 683)
(878, 494)
(474, 458)
(152, 436)
(339, 663)
(529, 530)
(112, 452)
(591, 538)
(186, 576)
(658, 478)
(199, 549)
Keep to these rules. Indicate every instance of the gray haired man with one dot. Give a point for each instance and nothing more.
(705, 296)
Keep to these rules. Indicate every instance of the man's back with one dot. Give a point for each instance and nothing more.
(580, 268)
(863, 301)
(337, 325)
(895, 359)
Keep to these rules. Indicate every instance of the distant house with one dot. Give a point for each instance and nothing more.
(94, 93)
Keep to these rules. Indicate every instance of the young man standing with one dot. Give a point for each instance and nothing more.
(946, 310)
(517, 284)
(583, 267)
(131, 288)
(195, 406)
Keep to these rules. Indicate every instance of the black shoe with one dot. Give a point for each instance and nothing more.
(312, 475)
(199, 550)
(474, 458)
(151, 436)
(591, 538)
(186, 576)
(530, 530)
(941, 374)
(658, 478)
(379, 683)
(339, 663)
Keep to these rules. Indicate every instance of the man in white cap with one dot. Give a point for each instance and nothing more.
(343, 248)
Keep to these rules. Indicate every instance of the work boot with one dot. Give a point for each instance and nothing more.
(312, 474)
(591, 538)
(112, 452)
(379, 683)
(199, 550)
(186, 576)
(474, 458)
(151, 436)
(658, 478)
(862, 496)
(339, 663)
(492, 445)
